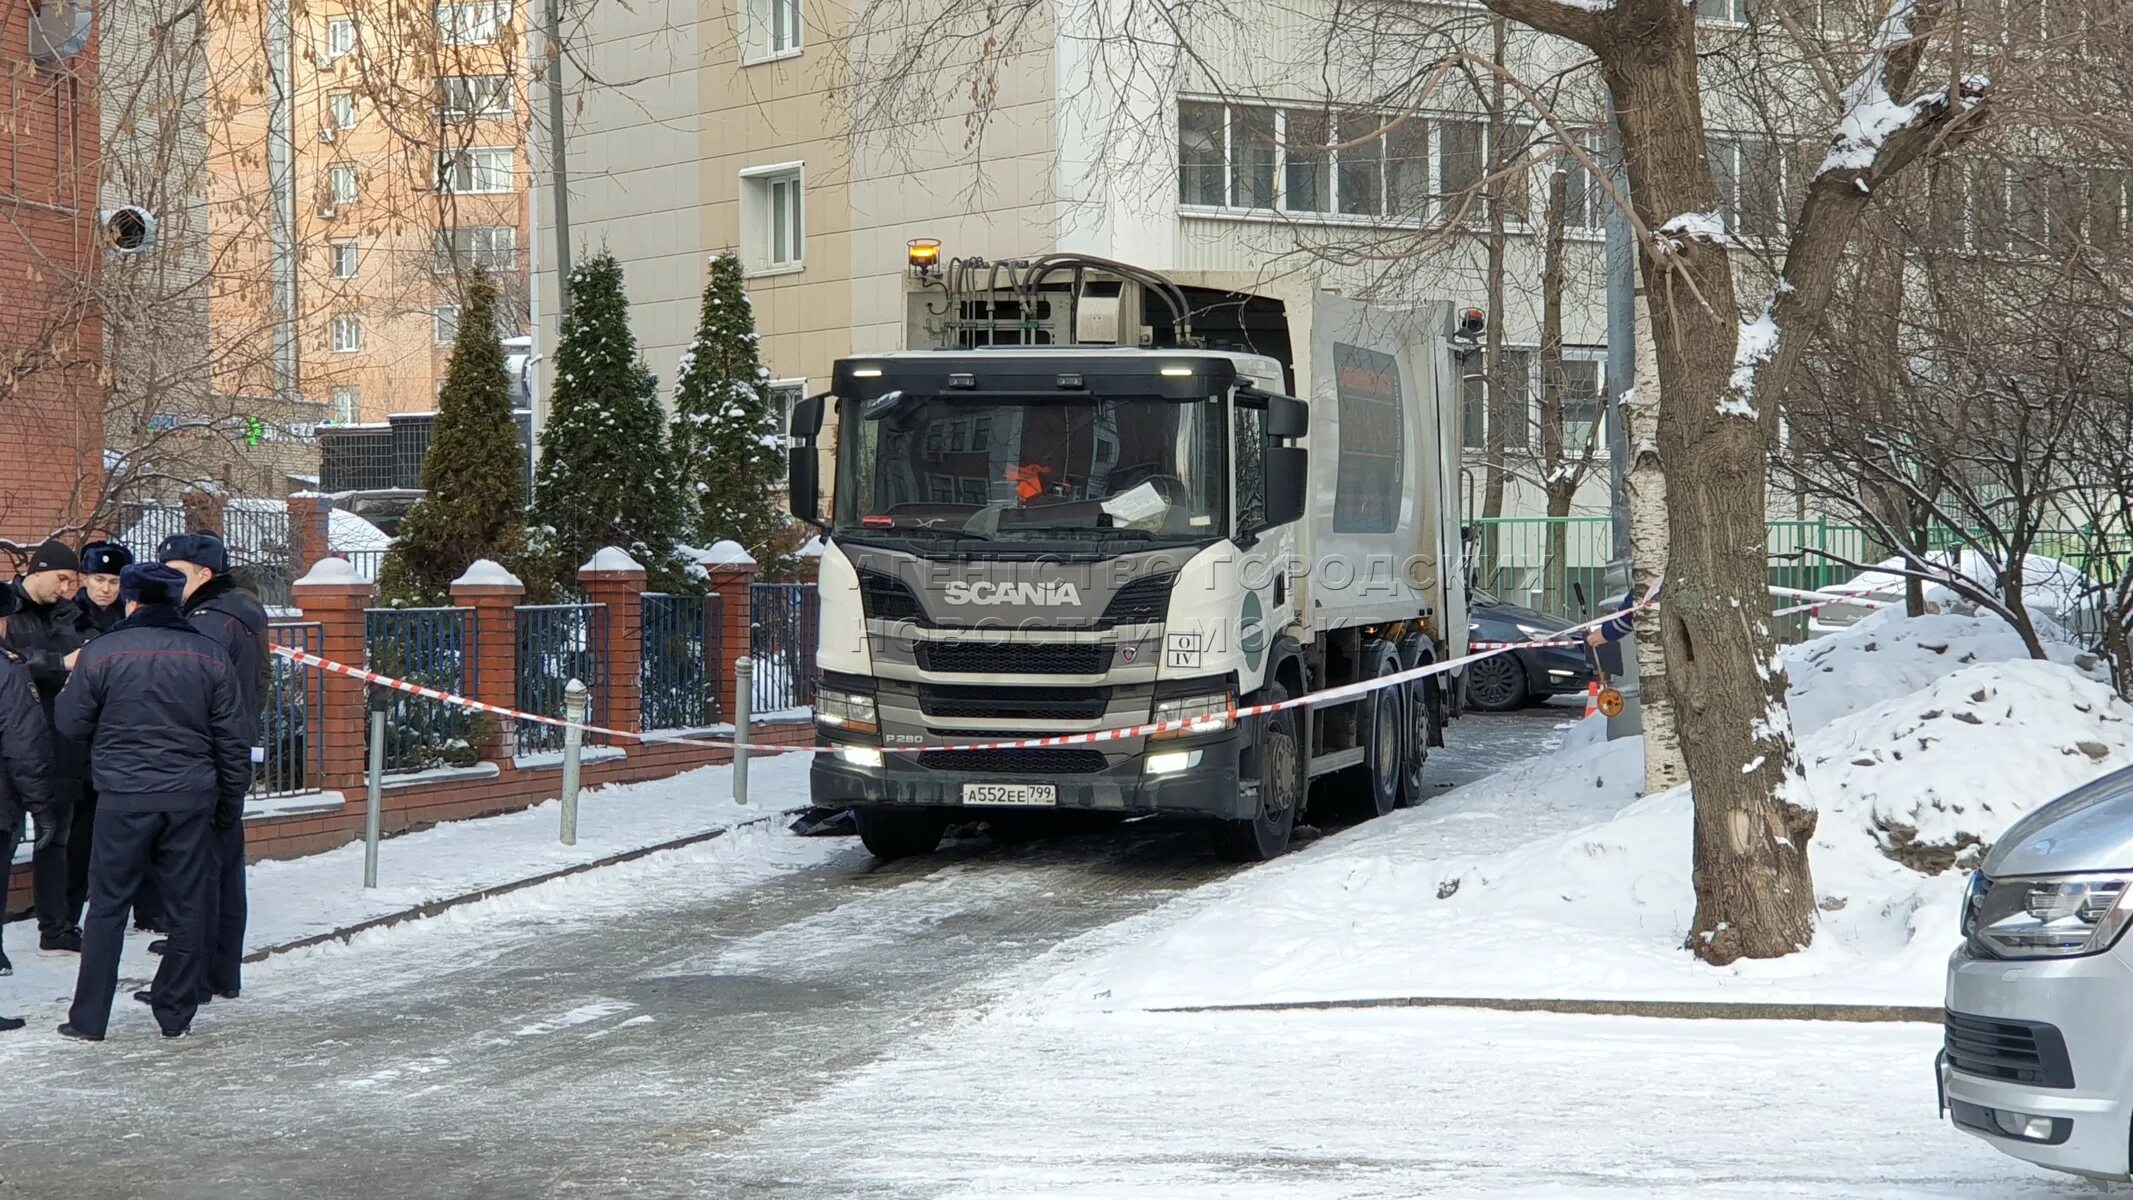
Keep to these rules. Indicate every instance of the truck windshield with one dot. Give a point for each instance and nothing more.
(1139, 467)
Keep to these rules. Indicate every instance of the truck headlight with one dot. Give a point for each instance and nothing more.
(1209, 713)
(2065, 916)
(847, 712)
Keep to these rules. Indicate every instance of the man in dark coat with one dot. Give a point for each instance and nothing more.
(237, 623)
(156, 703)
(46, 631)
(98, 603)
(25, 755)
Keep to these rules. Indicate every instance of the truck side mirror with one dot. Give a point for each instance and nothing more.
(1288, 471)
(803, 466)
(1287, 417)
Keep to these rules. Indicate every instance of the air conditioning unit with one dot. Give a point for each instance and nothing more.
(59, 29)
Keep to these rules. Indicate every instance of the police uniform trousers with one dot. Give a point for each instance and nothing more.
(175, 849)
(223, 913)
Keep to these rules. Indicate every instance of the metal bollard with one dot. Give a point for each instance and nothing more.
(743, 699)
(577, 700)
(374, 806)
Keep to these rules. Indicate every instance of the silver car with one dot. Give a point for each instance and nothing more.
(2038, 1052)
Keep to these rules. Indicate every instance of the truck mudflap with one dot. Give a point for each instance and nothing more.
(1209, 786)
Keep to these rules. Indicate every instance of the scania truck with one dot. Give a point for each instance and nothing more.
(1091, 498)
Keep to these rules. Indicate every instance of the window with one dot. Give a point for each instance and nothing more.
(470, 24)
(1586, 203)
(1474, 400)
(481, 171)
(341, 109)
(784, 393)
(1751, 178)
(1736, 11)
(346, 258)
(773, 218)
(341, 183)
(1584, 404)
(474, 95)
(1248, 431)
(1307, 185)
(770, 28)
(347, 404)
(447, 319)
(481, 247)
(1202, 153)
(347, 334)
(1362, 164)
(340, 37)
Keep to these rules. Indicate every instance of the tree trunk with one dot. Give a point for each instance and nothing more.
(1559, 476)
(1645, 483)
(1754, 892)
(1498, 402)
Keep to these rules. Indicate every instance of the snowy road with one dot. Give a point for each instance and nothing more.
(766, 1015)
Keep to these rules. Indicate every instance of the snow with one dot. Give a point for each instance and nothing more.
(1758, 341)
(1920, 739)
(723, 553)
(334, 571)
(1870, 113)
(611, 558)
(1699, 227)
(350, 532)
(2050, 588)
(811, 548)
(487, 572)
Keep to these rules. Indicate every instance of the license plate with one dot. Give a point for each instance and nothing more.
(1010, 793)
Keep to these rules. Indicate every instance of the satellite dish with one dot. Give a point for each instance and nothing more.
(59, 29)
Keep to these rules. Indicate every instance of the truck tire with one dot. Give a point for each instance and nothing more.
(1373, 789)
(1279, 753)
(1421, 725)
(893, 833)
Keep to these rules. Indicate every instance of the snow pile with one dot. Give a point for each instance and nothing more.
(1916, 757)
(487, 572)
(1888, 655)
(348, 532)
(2050, 588)
(334, 571)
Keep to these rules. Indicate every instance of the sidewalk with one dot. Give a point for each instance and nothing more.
(298, 901)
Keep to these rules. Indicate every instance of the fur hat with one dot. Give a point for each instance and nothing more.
(200, 549)
(105, 558)
(151, 583)
(54, 555)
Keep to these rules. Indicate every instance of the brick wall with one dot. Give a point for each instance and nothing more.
(51, 339)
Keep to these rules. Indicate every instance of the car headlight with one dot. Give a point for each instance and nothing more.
(1208, 713)
(849, 712)
(2065, 916)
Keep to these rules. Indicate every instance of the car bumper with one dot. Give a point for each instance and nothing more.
(2084, 1000)
(1557, 670)
(1209, 787)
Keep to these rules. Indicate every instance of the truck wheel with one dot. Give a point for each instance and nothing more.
(1278, 751)
(1421, 723)
(893, 833)
(1373, 788)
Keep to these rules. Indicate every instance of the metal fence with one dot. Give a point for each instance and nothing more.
(290, 728)
(684, 660)
(256, 534)
(428, 646)
(556, 644)
(784, 621)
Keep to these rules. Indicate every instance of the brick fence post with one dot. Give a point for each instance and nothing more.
(203, 510)
(729, 574)
(310, 516)
(493, 593)
(333, 595)
(613, 578)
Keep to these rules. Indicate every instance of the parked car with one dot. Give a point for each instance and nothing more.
(1522, 677)
(2035, 1058)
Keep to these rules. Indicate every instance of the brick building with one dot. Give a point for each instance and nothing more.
(51, 339)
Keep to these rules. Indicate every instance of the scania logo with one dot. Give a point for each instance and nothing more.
(986, 592)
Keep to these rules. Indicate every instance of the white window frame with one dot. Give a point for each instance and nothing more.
(771, 30)
(471, 24)
(1736, 13)
(762, 253)
(784, 393)
(477, 171)
(341, 110)
(341, 36)
(347, 404)
(346, 334)
(445, 318)
(483, 250)
(348, 254)
(461, 107)
(342, 185)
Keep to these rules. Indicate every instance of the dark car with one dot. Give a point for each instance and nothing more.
(1522, 677)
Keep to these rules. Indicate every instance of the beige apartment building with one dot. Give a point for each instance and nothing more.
(379, 158)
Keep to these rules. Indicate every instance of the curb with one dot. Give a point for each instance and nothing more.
(433, 908)
(1675, 1010)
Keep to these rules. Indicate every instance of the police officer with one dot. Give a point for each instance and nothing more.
(156, 702)
(46, 631)
(236, 622)
(25, 753)
(98, 601)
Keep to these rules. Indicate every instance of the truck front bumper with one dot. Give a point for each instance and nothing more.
(1209, 787)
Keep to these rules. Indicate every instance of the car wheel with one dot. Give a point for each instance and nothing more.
(1496, 683)
(893, 833)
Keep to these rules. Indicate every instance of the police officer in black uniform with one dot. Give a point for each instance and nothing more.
(25, 753)
(46, 631)
(157, 705)
(98, 603)
(234, 619)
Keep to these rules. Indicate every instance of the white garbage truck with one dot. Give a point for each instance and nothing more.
(1089, 498)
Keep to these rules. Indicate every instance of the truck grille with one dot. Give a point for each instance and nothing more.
(887, 598)
(1035, 760)
(1145, 601)
(1015, 658)
(2011, 1051)
(954, 702)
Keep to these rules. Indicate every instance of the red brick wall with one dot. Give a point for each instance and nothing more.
(51, 340)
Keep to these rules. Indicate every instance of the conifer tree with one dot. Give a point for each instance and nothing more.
(473, 478)
(728, 448)
(605, 477)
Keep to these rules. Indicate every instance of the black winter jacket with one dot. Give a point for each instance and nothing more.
(238, 624)
(25, 746)
(96, 618)
(156, 703)
(44, 634)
